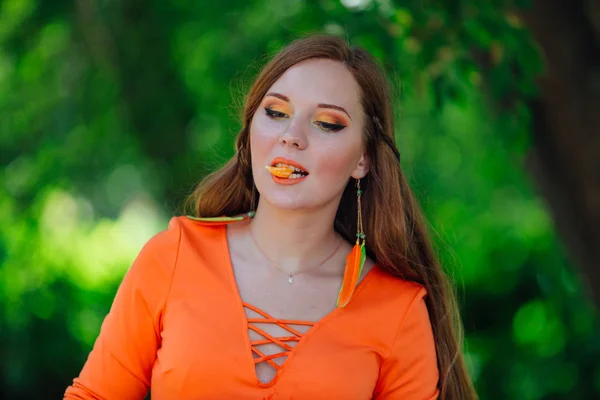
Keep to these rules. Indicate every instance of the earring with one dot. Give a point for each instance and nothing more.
(356, 259)
(252, 211)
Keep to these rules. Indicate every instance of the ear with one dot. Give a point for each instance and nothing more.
(362, 167)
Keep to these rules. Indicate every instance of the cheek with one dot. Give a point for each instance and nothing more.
(266, 128)
(262, 136)
(337, 162)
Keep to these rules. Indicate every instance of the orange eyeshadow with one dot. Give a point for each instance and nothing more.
(279, 106)
(331, 119)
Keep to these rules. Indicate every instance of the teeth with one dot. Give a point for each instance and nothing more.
(295, 176)
(282, 165)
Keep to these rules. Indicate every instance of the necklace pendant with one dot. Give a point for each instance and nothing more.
(290, 279)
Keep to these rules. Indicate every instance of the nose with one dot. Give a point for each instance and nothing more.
(293, 137)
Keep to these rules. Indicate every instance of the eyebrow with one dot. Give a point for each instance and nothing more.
(320, 105)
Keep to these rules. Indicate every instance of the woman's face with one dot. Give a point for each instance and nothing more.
(311, 119)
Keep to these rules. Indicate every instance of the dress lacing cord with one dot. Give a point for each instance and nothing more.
(280, 341)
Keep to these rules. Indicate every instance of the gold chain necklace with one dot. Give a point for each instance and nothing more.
(289, 274)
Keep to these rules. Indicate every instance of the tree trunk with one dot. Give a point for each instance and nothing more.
(565, 159)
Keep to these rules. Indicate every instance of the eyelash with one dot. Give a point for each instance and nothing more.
(325, 126)
(274, 114)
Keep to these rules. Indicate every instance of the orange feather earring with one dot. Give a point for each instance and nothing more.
(355, 260)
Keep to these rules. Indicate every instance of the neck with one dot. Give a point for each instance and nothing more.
(295, 240)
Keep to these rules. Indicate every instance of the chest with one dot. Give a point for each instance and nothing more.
(210, 353)
(280, 311)
(243, 331)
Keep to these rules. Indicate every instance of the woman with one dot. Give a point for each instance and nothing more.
(324, 286)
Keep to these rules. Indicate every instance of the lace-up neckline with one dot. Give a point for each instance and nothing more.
(268, 339)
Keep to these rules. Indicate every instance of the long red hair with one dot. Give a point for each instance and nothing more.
(397, 236)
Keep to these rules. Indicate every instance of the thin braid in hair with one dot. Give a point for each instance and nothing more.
(387, 139)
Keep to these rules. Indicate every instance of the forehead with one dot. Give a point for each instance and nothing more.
(319, 81)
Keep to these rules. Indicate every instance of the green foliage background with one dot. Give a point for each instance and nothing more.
(110, 111)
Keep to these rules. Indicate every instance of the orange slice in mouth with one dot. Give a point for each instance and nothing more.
(281, 172)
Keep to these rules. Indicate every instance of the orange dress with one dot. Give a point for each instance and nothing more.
(178, 327)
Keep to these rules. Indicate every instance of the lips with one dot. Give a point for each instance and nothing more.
(287, 171)
(296, 166)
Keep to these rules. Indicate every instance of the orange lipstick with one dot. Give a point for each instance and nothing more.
(282, 168)
(292, 163)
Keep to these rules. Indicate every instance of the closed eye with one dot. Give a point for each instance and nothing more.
(275, 114)
(328, 127)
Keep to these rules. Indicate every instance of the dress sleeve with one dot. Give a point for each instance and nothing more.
(410, 371)
(120, 364)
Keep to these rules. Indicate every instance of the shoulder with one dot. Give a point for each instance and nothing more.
(394, 304)
(166, 250)
(199, 227)
(410, 366)
(197, 233)
(165, 245)
(406, 309)
(159, 253)
(181, 232)
(396, 292)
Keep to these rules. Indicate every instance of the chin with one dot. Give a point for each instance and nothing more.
(302, 196)
(285, 201)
